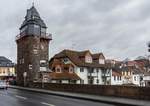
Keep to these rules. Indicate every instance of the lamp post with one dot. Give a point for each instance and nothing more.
(42, 80)
(24, 78)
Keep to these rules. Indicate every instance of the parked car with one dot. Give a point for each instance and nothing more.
(3, 85)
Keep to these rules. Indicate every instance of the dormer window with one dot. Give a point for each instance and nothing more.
(88, 58)
(58, 69)
(65, 60)
(101, 61)
(70, 69)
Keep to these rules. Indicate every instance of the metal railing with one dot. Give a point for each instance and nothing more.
(45, 36)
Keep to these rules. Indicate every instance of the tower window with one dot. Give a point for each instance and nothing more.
(36, 26)
(30, 66)
(43, 31)
(71, 69)
(23, 29)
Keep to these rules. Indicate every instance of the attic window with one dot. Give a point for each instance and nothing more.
(58, 69)
(71, 70)
(88, 58)
(65, 60)
(101, 61)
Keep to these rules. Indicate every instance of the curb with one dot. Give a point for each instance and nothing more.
(68, 95)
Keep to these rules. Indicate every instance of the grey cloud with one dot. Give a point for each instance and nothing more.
(119, 28)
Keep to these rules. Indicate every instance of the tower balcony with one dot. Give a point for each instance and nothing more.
(44, 36)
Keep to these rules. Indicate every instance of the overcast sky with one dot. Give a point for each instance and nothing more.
(118, 28)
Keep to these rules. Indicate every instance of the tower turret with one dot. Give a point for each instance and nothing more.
(32, 47)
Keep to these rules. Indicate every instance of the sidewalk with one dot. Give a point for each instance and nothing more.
(104, 99)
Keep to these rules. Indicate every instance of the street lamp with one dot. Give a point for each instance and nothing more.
(24, 78)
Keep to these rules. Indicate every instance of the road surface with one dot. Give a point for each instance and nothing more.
(14, 97)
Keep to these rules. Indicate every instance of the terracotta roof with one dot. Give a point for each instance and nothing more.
(77, 57)
(64, 76)
(116, 73)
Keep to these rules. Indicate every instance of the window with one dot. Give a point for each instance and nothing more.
(42, 61)
(125, 73)
(71, 69)
(115, 78)
(81, 69)
(36, 26)
(65, 60)
(88, 58)
(35, 51)
(30, 66)
(128, 73)
(122, 73)
(134, 78)
(97, 70)
(43, 30)
(23, 60)
(101, 61)
(97, 81)
(23, 29)
(58, 69)
(118, 78)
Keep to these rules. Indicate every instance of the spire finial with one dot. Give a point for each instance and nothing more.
(33, 3)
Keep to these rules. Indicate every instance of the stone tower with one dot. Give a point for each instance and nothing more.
(32, 48)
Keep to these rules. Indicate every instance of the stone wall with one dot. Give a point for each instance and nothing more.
(119, 91)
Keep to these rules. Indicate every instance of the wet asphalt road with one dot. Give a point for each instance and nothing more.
(14, 97)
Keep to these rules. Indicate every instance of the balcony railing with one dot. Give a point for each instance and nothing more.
(92, 74)
(105, 74)
(45, 36)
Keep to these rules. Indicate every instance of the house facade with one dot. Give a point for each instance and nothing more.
(133, 73)
(87, 67)
(7, 69)
(116, 78)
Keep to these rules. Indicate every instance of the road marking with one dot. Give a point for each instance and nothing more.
(47, 104)
(21, 97)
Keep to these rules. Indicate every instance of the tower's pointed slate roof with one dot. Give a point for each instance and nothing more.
(33, 17)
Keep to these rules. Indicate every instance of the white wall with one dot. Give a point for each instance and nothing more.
(136, 79)
(97, 76)
(82, 75)
(116, 82)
